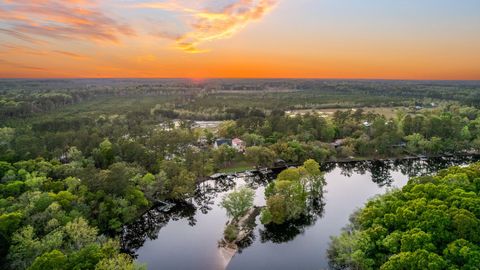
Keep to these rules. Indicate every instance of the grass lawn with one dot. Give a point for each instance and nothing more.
(239, 166)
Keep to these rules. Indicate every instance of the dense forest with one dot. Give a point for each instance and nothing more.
(213, 99)
(79, 159)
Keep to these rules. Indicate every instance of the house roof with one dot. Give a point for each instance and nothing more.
(223, 141)
(237, 141)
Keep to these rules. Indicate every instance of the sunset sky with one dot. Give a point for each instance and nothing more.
(385, 39)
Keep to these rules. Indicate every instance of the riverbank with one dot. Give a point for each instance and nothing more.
(243, 227)
(233, 172)
(194, 232)
(403, 157)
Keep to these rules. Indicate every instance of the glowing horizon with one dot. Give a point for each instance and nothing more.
(324, 39)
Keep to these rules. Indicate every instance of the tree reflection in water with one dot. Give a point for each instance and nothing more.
(259, 180)
(207, 191)
(148, 225)
(281, 233)
(246, 242)
(381, 170)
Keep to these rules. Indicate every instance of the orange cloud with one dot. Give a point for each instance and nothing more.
(20, 66)
(20, 36)
(207, 24)
(13, 48)
(10, 49)
(70, 54)
(68, 19)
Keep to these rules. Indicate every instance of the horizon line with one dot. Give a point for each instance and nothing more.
(232, 78)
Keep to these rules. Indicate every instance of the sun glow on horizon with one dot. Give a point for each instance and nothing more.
(365, 39)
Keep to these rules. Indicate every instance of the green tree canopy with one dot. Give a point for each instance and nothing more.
(238, 202)
(288, 196)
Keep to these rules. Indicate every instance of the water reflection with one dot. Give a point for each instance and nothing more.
(148, 226)
(207, 191)
(281, 233)
(381, 170)
(247, 241)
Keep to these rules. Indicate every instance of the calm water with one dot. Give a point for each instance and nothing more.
(186, 236)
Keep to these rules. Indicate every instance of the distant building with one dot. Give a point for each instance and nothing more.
(220, 142)
(239, 145)
(207, 124)
(337, 143)
(367, 124)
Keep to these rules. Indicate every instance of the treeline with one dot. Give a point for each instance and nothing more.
(356, 134)
(22, 98)
(146, 136)
(431, 223)
(211, 99)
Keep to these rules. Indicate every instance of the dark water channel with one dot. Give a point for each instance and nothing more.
(186, 236)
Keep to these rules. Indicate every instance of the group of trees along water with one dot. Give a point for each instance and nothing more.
(237, 204)
(431, 223)
(288, 197)
(294, 190)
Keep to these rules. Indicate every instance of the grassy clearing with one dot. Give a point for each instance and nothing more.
(239, 166)
(388, 112)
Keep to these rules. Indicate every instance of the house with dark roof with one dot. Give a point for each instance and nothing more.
(222, 141)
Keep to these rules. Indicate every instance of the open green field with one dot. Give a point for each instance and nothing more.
(388, 112)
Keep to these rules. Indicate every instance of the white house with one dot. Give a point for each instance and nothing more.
(367, 124)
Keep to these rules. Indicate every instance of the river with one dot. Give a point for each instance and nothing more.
(186, 236)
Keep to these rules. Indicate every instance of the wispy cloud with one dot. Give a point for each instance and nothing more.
(209, 20)
(9, 49)
(20, 36)
(70, 54)
(42, 21)
(30, 20)
(20, 66)
(14, 48)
